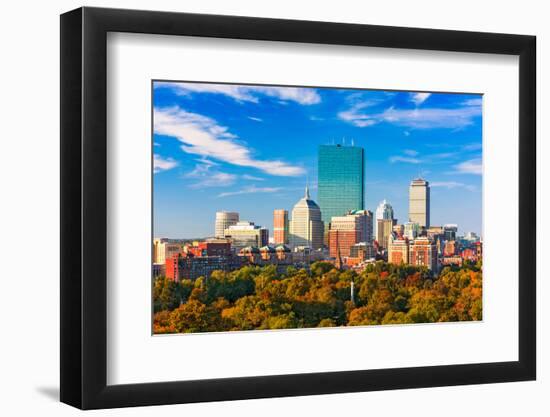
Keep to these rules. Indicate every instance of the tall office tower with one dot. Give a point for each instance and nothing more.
(306, 226)
(224, 219)
(384, 211)
(423, 252)
(384, 229)
(280, 227)
(346, 231)
(398, 251)
(243, 234)
(419, 202)
(340, 180)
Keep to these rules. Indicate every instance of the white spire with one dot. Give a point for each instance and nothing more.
(306, 196)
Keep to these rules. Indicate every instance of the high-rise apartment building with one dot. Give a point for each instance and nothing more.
(245, 234)
(224, 219)
(419, 202)
(306, 226)
(340, 180)
(280, 226)
(423, 252)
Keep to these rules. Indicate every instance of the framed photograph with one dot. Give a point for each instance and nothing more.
(256, 208)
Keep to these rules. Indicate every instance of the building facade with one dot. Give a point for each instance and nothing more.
(423, 252)
(384, 230)
(162, 250)
(181, 267)
(224, 219)
(243, 234)
(411, 230)
(306, 228)
(398, 251)
(280, 227)
(419, 202)
(340, 180)
(346, 231)
(384, 211)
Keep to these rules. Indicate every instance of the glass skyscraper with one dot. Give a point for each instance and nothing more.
(340, 180)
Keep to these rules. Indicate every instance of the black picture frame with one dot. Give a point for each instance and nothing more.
(84, 207)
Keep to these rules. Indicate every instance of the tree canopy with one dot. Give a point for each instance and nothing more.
(261, 298)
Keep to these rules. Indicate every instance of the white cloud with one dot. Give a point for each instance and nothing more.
(356, 117)
(405, 159)
(473, 102)
(473, 166)
(472, 147)
(251, 178)
(256, 119)
(201, 135)
(452, 184)
(418, 118)
(419, 98)
(205, 177)
(431, 118)
(163, 164)
(304, 96)
(250, 190)
(410, 152)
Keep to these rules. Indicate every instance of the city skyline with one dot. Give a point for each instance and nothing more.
(234, 148)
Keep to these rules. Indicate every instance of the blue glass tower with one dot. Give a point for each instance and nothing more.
(340, 180)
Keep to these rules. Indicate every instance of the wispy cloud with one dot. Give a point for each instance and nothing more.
(419, 98)
(411, 156)
(472, 166)
(250, 190)
(356, 117)
(473, 102)
(201, 135)
(242, 93)
(204, 176)
(452, 184)
(163, 164)
(431, 118)
(256, 119)
(472, 147)
(417, 118)
(404, 159)
(251, 178)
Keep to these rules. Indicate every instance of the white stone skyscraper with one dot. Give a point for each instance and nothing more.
(306, 227)
(224, 219)
(419, 202)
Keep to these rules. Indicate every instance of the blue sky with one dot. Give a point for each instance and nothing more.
(252, 149)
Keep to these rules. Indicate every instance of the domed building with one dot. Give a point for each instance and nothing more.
(306, 227)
